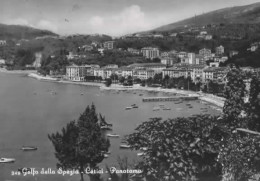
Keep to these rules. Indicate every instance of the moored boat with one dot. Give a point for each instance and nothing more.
(106, 127)
(166, 108)
(144, 148)
(135, 106)
(123, 146)
(106, 155)
(140, 154)
(29, 148)
(113, 135)
(156, 109)
(7, 160)
(127, 108)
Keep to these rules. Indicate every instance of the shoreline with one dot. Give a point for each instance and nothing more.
(3, 70)
(217, 101)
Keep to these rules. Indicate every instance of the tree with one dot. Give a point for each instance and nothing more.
(165, 81)
(122, 80)
(157, 79)
(239, 152)
(129, 81)
(143, 83)
(108, 82)
(239, 156)
(80, 144)
(114, 77)
(253, 106)
(178, 149)
(234, 94)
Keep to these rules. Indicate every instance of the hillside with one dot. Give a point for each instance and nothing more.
(17, 32)
(249, 14)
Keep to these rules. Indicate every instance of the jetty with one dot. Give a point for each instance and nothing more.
(175, 98)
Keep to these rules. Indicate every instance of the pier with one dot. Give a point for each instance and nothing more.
(164, 99)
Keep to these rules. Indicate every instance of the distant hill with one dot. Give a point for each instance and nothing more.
(249, 14)
(18, 32)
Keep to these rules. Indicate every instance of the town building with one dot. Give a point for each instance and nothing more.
(220, 50)
(77, 73)
(38, 60)
(233, 53)
(112, 66)
(101, 51)
(150, 52)
(191, 58)
(157, 67)
(2, 62)
(2, 42)
(108, 45)
(175, 72)
(206, 53)
(196, 72)
(143, 74)
(208, 37)
(169, 61)
(86, 47)
(214, 64)
(133, 51)
(182, 54)
(125, 72)
(199, 60)
(216, 74)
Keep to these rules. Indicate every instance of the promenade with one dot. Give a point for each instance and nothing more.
(218, 101)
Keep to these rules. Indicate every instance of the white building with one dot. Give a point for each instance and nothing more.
(191, 58)
(77, 73)
(157, 67)
(108, 45)
(220, 50)
(2, 42)
(143, 74)
(150, 52)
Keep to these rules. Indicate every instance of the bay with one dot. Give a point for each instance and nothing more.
(31, 109)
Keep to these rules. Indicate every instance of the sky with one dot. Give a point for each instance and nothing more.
(112, 17)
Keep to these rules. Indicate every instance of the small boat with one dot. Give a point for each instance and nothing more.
(166, 108)
(106, 152)
(144, 148)
(29, 148)
(135, 106)
(7, 160)
(105, 155)
(125, 146)
(140, 154)
(127, 108)
(156, 109)
(106, 127)
(113, 135)
(177, 102)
